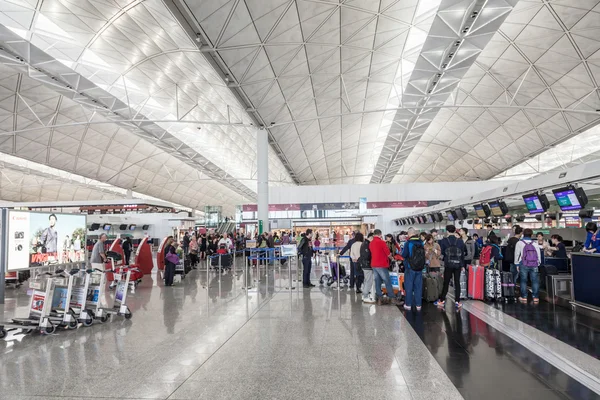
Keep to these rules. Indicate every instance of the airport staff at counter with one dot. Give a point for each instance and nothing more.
(592, 243)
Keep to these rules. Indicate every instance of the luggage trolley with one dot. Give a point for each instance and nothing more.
(97, 286)
(49, 306)
(79, 296)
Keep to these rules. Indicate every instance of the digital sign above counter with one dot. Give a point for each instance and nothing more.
(536, 203)
(570, 198)
(482, 210)
(498, 208)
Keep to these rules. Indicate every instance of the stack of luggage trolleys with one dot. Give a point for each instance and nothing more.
(69, 296)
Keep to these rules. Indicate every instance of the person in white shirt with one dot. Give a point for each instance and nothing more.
(527, 264)
(226, 241)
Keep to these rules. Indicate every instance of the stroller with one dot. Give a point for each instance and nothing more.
(329, 267)
(224, 256)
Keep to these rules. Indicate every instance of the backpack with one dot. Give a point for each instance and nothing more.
(485, 257)
(453, 255)
(364, 260)
(529, 257)
(416, 258)
(510, 250)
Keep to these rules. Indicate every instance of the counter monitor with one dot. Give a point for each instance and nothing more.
(482, 210)
(570, 198)
(536, 203)
(498, 208)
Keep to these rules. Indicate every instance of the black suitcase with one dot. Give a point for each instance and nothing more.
(508, 286)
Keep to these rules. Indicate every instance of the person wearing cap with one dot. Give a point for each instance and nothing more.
(413, 280)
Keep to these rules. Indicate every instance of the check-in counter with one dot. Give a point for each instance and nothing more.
(586, 281)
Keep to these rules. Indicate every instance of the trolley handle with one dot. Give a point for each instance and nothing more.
(74, 271)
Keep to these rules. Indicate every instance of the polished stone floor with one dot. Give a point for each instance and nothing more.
(269, 342)
(187, 342)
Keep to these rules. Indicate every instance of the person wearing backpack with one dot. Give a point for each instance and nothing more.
(364, 262)
(414, 262)
(511, 247)
(527, 258)
(453, 251)
(380, 256)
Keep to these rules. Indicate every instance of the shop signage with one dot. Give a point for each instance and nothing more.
(397, 204)
(344, 206)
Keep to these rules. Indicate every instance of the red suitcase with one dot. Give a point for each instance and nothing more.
(476, 282)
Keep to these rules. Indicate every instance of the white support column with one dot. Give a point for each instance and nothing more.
(262, 146)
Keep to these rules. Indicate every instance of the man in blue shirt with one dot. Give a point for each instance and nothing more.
(413, 279)
(592, 243)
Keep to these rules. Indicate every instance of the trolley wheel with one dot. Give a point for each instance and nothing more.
(128, 314)
(104, 318)
(72, 324)
(321, 281)
(48, 330)
(330, 281)
(2, 333)
(28, 331)
(88, 321)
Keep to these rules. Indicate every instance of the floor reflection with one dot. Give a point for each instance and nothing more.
(484, 363)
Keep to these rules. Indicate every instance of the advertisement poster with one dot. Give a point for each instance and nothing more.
(37, 301)
(362, 205)
(78, 297)
(59, 300)
(120, 292)
(39, 238)
(93, 295)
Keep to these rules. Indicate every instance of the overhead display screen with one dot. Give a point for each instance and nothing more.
(482, 210)
(498, 208)
(450, 215)
(569, 198)
(536, 204)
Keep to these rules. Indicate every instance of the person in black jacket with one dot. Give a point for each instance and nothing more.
(169, 266)
(509, 254)
(306, 251)
(353, 268)
(127, 247)
(453, 251)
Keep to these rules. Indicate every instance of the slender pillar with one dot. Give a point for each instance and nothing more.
(262, 146)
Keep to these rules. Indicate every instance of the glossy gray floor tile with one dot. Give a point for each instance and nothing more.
(193, 342)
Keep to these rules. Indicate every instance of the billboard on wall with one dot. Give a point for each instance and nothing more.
(43, 238)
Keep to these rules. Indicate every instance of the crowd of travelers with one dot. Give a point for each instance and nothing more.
(373, 257)
(412, 252)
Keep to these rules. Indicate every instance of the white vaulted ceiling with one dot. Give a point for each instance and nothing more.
(135, 55)
(299, 60)
(546, 57)
(163, 96)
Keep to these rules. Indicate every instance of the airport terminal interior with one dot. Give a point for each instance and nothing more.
(300, 199)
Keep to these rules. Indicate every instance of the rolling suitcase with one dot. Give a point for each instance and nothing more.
(508, 286)
(493, 284)
(476, 282)
(463, 285)
(431, 290)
